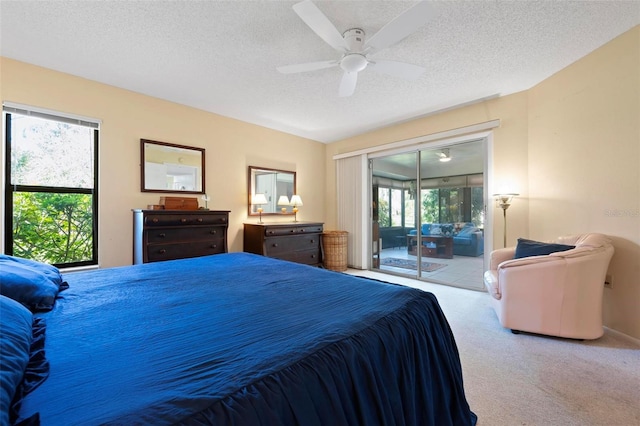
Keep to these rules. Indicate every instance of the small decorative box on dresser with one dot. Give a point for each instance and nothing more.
(297, 242)
(176, 234)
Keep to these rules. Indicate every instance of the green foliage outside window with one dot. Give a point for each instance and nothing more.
(52, 227)
(384, 216)
(52, 191)
(445, 205)
(439, 205)
(430, 206)
(477, 206)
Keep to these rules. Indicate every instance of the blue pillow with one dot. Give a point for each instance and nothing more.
(526, 248)
(467, 230)
(446, 229)
(49, 271)
(31, 283)
(15, 343)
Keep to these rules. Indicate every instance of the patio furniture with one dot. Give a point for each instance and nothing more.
(432, 246)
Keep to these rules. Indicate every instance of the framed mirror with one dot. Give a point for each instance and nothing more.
(167, 167)
(273, 184)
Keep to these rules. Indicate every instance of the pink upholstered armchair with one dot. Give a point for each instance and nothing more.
(558, 294)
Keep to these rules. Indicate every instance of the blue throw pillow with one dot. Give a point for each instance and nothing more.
(446, 229)
(34, 284)
(526, 248)
(15, 343)
(466, 231)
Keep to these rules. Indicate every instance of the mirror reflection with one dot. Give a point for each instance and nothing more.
(169, 167)
(274, 184)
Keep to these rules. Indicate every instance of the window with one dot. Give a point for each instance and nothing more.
(391, 207)
(477, 206)
(409, 208)
(446, 205)
(51, 194)
(396, 207)
(430, 206)
(384, 205)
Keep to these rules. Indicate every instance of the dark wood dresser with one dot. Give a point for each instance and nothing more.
(176, 234)
(294, 241)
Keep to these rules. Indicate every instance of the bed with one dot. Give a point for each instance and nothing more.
(237, 339)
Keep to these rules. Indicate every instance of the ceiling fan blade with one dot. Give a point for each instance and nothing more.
(402, 26)
(320, 24)
(309, 66)
(397, 69)
(348, 84)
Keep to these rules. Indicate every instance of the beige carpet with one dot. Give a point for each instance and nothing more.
(533, 380)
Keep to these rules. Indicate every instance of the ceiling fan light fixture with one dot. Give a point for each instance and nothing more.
(353, 62)
(444, 155)
(354, 49)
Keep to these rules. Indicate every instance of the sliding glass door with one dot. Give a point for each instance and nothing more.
(428, 213)
(395, 196)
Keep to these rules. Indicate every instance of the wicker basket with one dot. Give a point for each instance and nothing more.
(334, 245)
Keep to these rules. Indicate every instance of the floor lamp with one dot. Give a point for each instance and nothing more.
(504, 201)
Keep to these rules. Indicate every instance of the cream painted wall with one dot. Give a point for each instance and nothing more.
(584, 163)
(231, 146)
(571, 147)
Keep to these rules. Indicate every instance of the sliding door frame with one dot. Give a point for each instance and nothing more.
(475, 131)
(487, 147)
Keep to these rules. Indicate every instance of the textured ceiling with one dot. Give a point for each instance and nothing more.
(221, 56)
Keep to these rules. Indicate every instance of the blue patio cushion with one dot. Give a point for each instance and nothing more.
(467, 231)
(446, 229)
(462, 241)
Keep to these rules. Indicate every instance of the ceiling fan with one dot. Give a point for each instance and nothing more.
(356, 51)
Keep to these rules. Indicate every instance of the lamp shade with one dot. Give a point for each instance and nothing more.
(283, 201)
(296, 201)
(259, 199)
(505, 197)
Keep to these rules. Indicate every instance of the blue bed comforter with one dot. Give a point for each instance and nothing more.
(247, 340)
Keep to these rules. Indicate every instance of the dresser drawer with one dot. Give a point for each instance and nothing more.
(292, 230)
(184, 219)
(157, 252)
(308, 257)
(276, 246)
(194, 233)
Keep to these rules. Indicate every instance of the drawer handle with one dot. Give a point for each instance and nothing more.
(154, 220)
(214, 246)
(213, 231)
(275, 244)
(183, 220)
(162, 235)
(313, 241)
(199, 219)
(302, 230)
(162, 251)
(313, 256)
(293, 230)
